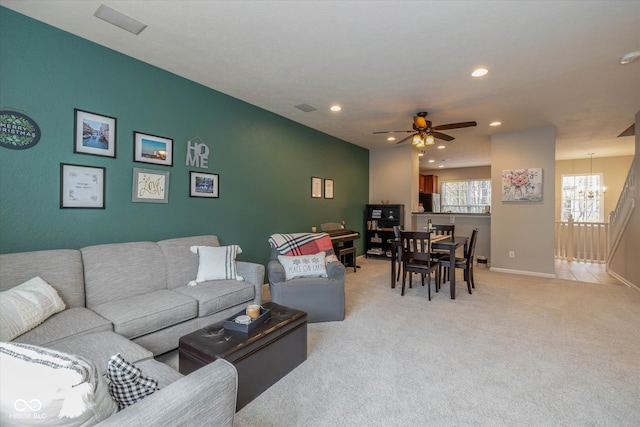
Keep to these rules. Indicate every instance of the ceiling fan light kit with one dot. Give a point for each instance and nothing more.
(629, 58)
(424, 133)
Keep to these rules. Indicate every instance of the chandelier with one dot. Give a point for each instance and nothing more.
(589, 190)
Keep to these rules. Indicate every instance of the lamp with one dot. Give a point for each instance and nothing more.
(430, 140)
(418, 140)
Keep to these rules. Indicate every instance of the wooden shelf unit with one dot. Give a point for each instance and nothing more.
(379, 223)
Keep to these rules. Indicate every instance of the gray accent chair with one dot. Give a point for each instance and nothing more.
(321, 297)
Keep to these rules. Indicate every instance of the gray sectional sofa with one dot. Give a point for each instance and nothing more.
(134, 299)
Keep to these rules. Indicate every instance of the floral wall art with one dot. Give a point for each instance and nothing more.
(522, 185)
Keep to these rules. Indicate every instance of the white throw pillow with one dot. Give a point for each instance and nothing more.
(26, 306)
(46, 387)
(216, 263)
(304, 265)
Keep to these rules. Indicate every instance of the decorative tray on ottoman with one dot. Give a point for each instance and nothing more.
(231, 325)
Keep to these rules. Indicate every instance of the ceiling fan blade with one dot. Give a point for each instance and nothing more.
(455, 125)
(404, 139)
(442, 136)
(394, 131)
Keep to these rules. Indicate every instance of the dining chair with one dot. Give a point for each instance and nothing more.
(443, 230)
(416, 258)
(465, 263)
(396, 232)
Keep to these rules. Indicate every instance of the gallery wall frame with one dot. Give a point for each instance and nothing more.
(328, 188)
(150, 186)
(82, 187)
(154, 149)
(204, 185)
(316, 187)
(94, 134)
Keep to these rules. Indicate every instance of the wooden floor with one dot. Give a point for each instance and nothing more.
(585, 272)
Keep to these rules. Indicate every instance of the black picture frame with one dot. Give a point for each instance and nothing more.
(203, 184)
(82, 187)
(94, 134)
(154, 149)
(316, 187)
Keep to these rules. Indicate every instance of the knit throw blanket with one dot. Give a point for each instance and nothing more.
(303, 244)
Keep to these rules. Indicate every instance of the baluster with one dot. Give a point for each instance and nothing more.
(570, 238)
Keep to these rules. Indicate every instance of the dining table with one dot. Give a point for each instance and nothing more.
(451, 245)
(437, 242)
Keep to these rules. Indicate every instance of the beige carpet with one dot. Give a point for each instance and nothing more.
(520, 351)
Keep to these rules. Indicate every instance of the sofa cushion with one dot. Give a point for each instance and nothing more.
(142, 314)
(100, 346)
(122, 270)
(127, 384)
(218, 295)
(41, 386)
(216, 263)
(61, 268)
(181, 263)
(68, 323)
(26, 306)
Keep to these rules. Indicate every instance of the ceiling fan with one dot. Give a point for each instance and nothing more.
(424, 132)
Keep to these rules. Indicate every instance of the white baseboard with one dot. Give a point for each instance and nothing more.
(623, 280)
(523, 273)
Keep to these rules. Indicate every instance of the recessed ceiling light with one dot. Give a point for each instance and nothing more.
(431, 161)
(479, 72)
(440, 166)
(119, 19)
(630, 57)
(440, 147)
(335, 108)
(420, 154)
(495, 123)
(391, 138)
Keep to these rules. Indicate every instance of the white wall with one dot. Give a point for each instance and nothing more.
(527, 228)
(393, 176)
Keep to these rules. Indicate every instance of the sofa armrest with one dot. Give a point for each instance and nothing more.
(275, 272)
(336, 270)
(252, 273)
(206, 396)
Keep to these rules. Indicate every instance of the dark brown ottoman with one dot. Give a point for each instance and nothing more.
(262, 356)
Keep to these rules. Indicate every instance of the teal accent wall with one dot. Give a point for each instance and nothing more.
(265, 161)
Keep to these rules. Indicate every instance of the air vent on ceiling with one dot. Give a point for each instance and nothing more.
(306, 108)
(119, 19)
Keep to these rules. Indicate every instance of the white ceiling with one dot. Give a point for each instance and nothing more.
(551, 63)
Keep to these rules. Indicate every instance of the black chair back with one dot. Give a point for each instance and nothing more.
(472, 247)
(415, 246)
(447, 230)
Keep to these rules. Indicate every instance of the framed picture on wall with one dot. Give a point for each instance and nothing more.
(328, 189)
(316, 187)
(152, 149)
(150, 186)
(203, 184)
(94, 134)
(82, 186)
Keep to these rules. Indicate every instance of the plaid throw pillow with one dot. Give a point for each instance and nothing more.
(127, 385)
